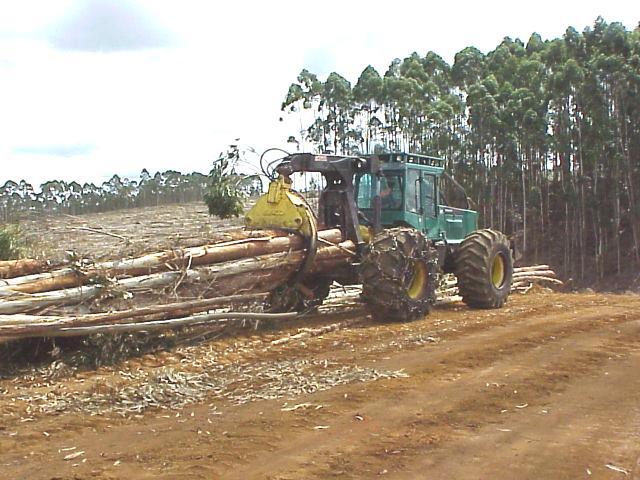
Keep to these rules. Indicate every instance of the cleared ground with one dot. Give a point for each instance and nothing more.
(118, 233)
(548, 387)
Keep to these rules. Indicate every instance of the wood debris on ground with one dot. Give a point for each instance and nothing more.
(205, 376)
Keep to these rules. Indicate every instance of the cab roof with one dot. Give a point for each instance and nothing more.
(399, 160)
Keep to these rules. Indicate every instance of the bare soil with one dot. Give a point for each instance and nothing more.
(547, 387)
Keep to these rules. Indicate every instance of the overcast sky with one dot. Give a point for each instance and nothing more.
(89, 88)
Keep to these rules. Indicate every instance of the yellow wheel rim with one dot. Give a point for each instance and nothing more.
(419, 280)
(497, 271)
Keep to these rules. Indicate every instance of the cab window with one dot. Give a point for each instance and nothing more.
(413, 191)
(391, 191)
(364, 187)
(429, 186)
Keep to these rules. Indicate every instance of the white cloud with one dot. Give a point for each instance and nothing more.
(108, 26)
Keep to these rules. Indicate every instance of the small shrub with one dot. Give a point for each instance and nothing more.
(224, 197)
(11, 242)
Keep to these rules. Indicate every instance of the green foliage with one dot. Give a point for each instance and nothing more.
(224, 197)
(11, 242)
(369, 86)
(19, 199)
(545, 136)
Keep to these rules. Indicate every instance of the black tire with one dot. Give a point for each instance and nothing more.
(287, 298)
(398, 274)
(484, 267)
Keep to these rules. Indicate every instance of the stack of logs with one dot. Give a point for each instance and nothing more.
(37, 300)
(86, 298)
(524, 278)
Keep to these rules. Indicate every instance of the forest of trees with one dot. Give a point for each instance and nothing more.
(545, 135)
(18, 199)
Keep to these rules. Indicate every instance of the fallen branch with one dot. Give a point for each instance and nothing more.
(197, 319)
(314, 332)
(103, 232)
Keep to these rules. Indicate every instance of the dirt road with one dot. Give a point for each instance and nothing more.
(548, 387)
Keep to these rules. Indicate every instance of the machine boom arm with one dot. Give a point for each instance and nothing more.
(338, 206)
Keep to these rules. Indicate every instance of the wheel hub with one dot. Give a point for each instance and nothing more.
(498, 271)
(418, 281)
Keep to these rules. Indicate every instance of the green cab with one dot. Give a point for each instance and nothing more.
(412, 194)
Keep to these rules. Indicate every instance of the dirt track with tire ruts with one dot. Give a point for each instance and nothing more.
(548, 387)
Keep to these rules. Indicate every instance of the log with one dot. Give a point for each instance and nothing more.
(538, 278)
(237, 270)
(67, 278)
(250, 274)
(523, 277)
(531, 267)
(162, 261)
(42, 282)
(536, 273)
(447, 291)
(446, 300)
(25, 266)
(233, 276)
(523, 288)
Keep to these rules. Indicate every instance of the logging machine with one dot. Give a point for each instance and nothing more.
(393, 208)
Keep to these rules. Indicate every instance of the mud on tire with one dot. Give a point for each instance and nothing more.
(484, 267)
(398, 274)
(287, 298)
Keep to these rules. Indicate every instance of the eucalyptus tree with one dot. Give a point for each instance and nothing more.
(306, 95)
(367, 95)
(336, 103)
(545, 135)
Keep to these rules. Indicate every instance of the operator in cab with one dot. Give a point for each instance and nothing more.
(390, 194)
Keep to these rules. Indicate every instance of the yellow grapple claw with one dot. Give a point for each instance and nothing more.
(282, 207)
